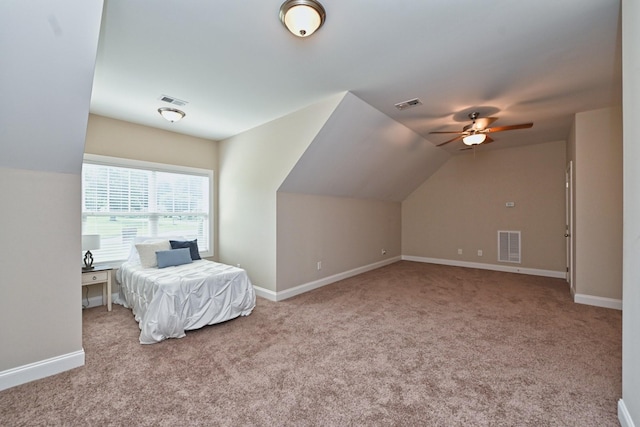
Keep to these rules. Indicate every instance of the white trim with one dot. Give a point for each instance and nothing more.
(37, 370)
(623, 415)
(483, 266)
(98, 159)
(598, 301)
(265, 293)
(143, 164)
(306, 287)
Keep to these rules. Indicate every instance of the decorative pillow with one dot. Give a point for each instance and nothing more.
(147, 252)
(191, 244)
(173, 257)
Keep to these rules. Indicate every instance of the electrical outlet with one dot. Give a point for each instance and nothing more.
(384, 251)
(319, 265)
(479, 252)
(459, 251)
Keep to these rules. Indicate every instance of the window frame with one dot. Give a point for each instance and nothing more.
(158, 167)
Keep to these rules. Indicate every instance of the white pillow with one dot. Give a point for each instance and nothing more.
(133, 252)
(147, 252)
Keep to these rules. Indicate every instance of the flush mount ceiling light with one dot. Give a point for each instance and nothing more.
(474, 139)
(171, 114)
(302, 17)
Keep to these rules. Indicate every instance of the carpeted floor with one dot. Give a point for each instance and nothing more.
(407, 344)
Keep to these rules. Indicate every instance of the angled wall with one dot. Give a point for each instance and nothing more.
(343, 234)
(629, 406)
(252, 167)
(322, 182)
(48, 55)
(339, 208)
(363, 153)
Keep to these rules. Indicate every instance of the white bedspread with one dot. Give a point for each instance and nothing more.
(168, 301)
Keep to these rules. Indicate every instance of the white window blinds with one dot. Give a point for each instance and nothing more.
(122, 199)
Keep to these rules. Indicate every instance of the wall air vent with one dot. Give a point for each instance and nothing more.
(172, 100)
(408, 104)
(509, 246)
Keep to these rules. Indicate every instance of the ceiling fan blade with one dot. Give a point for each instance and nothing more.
(447, 132)
(451, 140)
(488, 140)
(512, 127)
(484, 122)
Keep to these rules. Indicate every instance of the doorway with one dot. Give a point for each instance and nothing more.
(568, 233)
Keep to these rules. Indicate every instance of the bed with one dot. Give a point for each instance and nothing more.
(168, 300)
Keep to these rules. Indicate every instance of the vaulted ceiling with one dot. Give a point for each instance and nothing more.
(237, 66)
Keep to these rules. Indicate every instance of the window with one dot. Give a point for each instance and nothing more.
(123, 199)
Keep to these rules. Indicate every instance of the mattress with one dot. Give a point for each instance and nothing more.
(166, 302)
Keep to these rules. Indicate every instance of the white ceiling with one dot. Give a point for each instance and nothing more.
(237, 66)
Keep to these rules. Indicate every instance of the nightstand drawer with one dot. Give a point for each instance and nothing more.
(94, 277)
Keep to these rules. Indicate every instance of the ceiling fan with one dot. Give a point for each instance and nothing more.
(476, 132)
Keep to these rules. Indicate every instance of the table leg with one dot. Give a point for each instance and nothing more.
(109, 290)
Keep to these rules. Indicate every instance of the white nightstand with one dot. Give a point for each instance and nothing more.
(96, 276)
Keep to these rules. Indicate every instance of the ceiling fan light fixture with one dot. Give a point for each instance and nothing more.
(171, 114)
(474, 139)
(302, 17)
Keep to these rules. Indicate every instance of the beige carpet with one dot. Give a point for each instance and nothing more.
(407, 344)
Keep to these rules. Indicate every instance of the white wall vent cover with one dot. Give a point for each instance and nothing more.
(509, 246)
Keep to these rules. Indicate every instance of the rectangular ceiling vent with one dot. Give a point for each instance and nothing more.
(172, 100)
(509, 246)
(408, 104)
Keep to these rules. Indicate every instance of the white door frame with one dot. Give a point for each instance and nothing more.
(569, 237)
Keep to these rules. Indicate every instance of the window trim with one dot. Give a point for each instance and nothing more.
(163, 167)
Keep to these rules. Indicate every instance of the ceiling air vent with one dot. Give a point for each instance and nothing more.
(172, 100)
(408, 104)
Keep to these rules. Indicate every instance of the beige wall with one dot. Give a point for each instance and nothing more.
(341, 233)
(598, 203)
(39, 267)
(116, 138)
(40, 163)
(462, 206)
(631, 254)
(253, 165)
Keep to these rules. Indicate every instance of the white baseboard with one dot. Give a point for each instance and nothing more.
(265, 293)
(96, 301)
(44, 368)
(483, 266)
(623, 415)
(616, 304)
(306, 287)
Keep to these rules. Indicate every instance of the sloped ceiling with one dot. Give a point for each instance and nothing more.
(48, 55)
(237, 66)
(362, 153)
